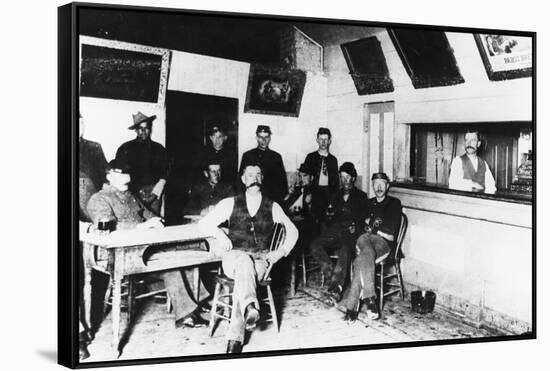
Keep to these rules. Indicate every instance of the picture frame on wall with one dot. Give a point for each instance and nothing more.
(275, 91)
(393, 103)
(505, 57)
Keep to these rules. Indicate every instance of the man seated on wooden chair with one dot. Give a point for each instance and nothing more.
(204, 195)
(116, 202)
(382, 227)
(346, 212)
(245, 251)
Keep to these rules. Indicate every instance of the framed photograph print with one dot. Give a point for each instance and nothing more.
(505, 56)
(236, 185)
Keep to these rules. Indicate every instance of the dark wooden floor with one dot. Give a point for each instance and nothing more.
(307, 320)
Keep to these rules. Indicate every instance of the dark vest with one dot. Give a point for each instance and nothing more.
(247, 232)
(469, 172)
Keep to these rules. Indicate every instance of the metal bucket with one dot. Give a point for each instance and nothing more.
(422, 301)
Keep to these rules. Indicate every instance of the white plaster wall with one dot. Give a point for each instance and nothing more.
(477, 99)
(293, 137)
(107, 121)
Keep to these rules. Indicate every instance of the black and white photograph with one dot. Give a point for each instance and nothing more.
(252, 185)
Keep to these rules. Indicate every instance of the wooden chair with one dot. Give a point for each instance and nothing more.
(223, 300)
(387, 285)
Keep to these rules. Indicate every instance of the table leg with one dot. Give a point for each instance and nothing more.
(293, 276)
(87, 289)
(197, 282)
(118, 273)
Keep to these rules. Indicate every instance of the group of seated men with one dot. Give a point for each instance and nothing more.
(332, 216)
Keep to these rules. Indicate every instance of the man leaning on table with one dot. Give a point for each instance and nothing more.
(116, 202)
(252, 216)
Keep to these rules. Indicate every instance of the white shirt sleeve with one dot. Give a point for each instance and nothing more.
(221, 212)
(291, 231)
(456, 178)
(489, 180)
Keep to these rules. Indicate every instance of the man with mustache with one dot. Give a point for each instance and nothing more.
(346, 212)
(470, 172)
(245, 249)
(382, 226)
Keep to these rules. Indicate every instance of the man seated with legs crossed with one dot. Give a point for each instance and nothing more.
(245, 251)
(382, 227)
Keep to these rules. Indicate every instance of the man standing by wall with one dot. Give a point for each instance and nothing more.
(324, 164)
(275, 184)
(383, 222)
(148, 162)
(91, 169)
(251, 217)
(470, 172)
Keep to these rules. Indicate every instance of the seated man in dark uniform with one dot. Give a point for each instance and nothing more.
(207, 193)
(305, 203)
(217, 152)
(347, 211)
(252, 217)
(116, 202)
(383, 223)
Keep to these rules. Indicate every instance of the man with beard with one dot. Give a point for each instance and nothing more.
(324, 164)
(275, 184)
(245, 250)
(382, 227)
(148, 162)
(347, 212)
(470, 172)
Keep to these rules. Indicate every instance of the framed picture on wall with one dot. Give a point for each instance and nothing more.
(505, 56)
(117, 70)
(155, 231)
(274, 91)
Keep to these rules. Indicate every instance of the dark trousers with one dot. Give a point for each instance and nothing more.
(371, 247)
(180, 288)
(335, 240)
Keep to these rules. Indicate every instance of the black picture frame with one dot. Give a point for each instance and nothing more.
(427, 57)
(69, 257)
(367, 66)
(275, 91)
(503, 62)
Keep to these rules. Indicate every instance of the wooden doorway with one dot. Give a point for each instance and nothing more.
(187, 115)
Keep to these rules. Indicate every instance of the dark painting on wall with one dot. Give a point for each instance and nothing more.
(123, 71)
(427, 57)
(367, 66)
(275, 91)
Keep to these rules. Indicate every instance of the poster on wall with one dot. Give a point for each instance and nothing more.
(505, 56)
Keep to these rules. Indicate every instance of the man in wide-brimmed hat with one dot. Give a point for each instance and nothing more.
(148, 162)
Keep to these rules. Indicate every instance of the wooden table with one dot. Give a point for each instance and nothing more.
(140, 251)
